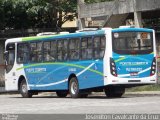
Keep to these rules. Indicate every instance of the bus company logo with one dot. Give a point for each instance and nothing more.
(36, 70)
(133, 63)
(72, 69)
(116, 35)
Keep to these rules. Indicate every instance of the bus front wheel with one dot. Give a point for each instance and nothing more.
(114, 91)
(24, 90)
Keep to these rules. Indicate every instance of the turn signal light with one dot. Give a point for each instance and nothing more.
(153, 67)
(113, 67)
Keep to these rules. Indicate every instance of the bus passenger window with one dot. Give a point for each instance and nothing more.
(60, 57)
(99, 47)
(102, 48)
(47, 52)
(36, 52)
(39, 52)
(74, 49)
(53, 52)
(60, 50)
(86, 48)
(96, 47)
(22, 53)
(33, 48)
(65, 50)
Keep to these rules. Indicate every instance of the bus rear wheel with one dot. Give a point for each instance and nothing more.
(74, 88)
(114, 91)
(24, 90)
(62, 94)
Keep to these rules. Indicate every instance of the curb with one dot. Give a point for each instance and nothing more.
(145, 92)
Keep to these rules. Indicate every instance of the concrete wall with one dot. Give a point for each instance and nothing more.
(95, 10)
(145, 5)
(117, 7)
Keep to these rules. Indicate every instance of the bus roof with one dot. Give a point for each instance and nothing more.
(79, 34)
(131, 29)
(63, 36)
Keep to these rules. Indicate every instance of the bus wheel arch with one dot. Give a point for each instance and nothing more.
(73, 87)
(23, 89)
(70, 77)
(20, 80)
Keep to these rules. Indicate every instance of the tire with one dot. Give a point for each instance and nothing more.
(74, 88)
(62, 94)
(114, 92)
(24, 90)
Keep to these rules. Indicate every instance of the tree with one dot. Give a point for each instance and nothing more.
(18, 14)
(67, 11)
(13, 14)
(2, 15)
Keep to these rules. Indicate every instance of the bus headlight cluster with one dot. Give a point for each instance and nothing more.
(153, 67)
(113, 67)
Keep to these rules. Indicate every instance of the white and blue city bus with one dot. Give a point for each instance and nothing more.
(108, 60)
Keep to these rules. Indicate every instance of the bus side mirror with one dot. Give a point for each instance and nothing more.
(6, 57)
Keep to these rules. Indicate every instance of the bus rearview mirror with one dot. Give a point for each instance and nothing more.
(6, 57)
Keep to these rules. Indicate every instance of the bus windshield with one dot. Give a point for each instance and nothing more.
(132, 42)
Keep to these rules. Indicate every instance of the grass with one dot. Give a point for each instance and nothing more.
(145, 88)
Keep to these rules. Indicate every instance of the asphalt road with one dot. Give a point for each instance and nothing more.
(44, 104)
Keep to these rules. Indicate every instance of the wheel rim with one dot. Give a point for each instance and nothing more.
(74, 87)
(24, 88)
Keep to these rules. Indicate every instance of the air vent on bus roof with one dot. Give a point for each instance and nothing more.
(46, 33)
(64, 33)
(87, 29)
(51, 33)
(126, 26)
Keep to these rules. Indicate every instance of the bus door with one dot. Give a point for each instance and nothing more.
(9, 63)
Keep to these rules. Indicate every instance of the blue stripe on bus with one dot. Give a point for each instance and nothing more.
(132, 30)
(76, 35)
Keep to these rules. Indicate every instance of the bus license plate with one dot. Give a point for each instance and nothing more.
(133, 73)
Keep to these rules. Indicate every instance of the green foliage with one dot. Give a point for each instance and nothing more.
(18, 14)
(2, 15)
(67, 11)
